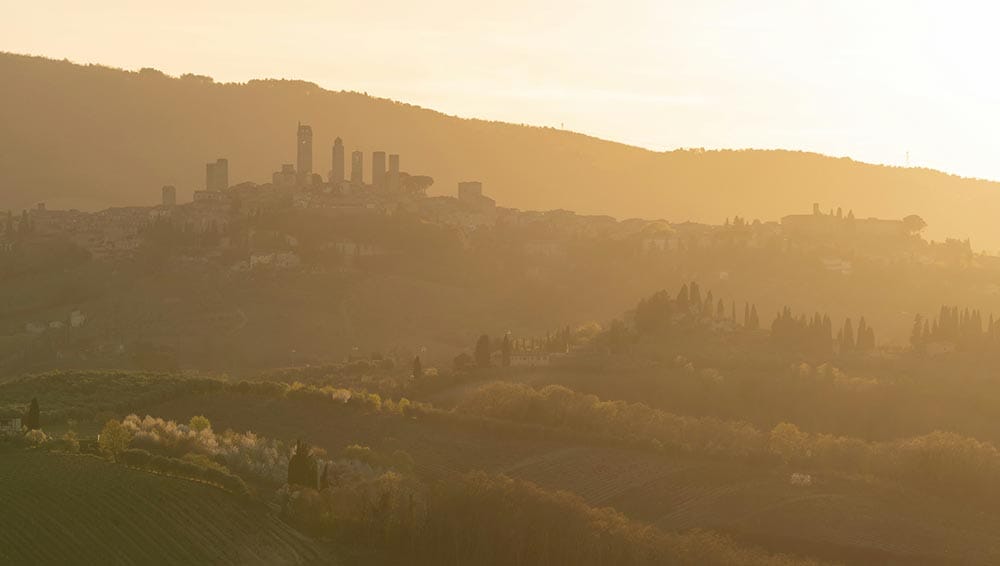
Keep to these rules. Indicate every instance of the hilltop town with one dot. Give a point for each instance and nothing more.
(224, 216)
(157, 281)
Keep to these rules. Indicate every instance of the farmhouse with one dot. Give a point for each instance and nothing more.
(530, 359)
(10, 425)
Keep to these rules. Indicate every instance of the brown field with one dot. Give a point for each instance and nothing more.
(78, 509)
(855, 520)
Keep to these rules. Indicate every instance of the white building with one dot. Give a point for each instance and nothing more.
(530, 359)
(10, 425)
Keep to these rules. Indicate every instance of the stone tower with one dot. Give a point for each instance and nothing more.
(169, 195)
(378, 169)
(357, 168)
(393, 178)
(304, 162)
(217, 175)
(337, 168)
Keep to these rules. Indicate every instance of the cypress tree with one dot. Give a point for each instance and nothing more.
(683, 296)
(847, 343)
(862, 334)
(917, 333)
(32, 421)
(302, 468)
(483, 351)
(506, 349)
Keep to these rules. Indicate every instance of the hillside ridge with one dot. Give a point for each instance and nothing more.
(157, 130)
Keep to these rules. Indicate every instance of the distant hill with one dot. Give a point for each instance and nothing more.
(61, 509)
(91, 137)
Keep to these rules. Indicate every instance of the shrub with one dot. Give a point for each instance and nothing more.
(114, 439)
(199, 423)
(35, 437)
(244, 453)
(184, 468)
(70, 442)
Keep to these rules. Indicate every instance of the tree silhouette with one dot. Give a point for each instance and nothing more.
(913, 224)
(847, 342)
(418, 368)
(302, 469)
(683, 297)
(32, 419)
(114, 438)
(483, 351)
(754, 319)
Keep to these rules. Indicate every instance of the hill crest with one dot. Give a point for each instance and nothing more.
(90, 136)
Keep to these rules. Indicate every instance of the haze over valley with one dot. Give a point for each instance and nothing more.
(268, 322)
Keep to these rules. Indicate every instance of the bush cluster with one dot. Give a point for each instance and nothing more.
(244, 453)
(144, 460)
(631, 423)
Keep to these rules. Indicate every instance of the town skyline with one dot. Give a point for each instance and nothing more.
(547, 283)
(843, 83)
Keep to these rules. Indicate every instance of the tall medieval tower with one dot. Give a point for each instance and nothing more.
(337, 169)
(304, 164)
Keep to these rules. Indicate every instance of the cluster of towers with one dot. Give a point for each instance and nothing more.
(382, 177)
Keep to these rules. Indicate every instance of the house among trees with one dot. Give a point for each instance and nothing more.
(531, 359)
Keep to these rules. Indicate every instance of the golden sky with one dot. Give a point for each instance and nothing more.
(867, 79)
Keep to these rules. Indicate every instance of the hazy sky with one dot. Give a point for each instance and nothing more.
(868, 79)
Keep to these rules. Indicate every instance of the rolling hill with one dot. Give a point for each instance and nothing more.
(91, 137)
(845, 519)
(62, 509)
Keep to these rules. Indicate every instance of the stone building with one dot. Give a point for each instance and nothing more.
(337, 165)
(469, 190)
(378, 169)
(304, 153)
(357, 168)
(393, 176)
(286, 177)
(10, 425)
(217, 175)
(169, 195)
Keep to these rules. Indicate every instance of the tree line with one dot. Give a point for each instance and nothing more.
(664, 314)
(966, 329)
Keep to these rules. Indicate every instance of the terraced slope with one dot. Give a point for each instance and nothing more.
(63, 509)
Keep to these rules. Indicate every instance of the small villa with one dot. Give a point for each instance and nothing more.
(10, 425)
(530, 359)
